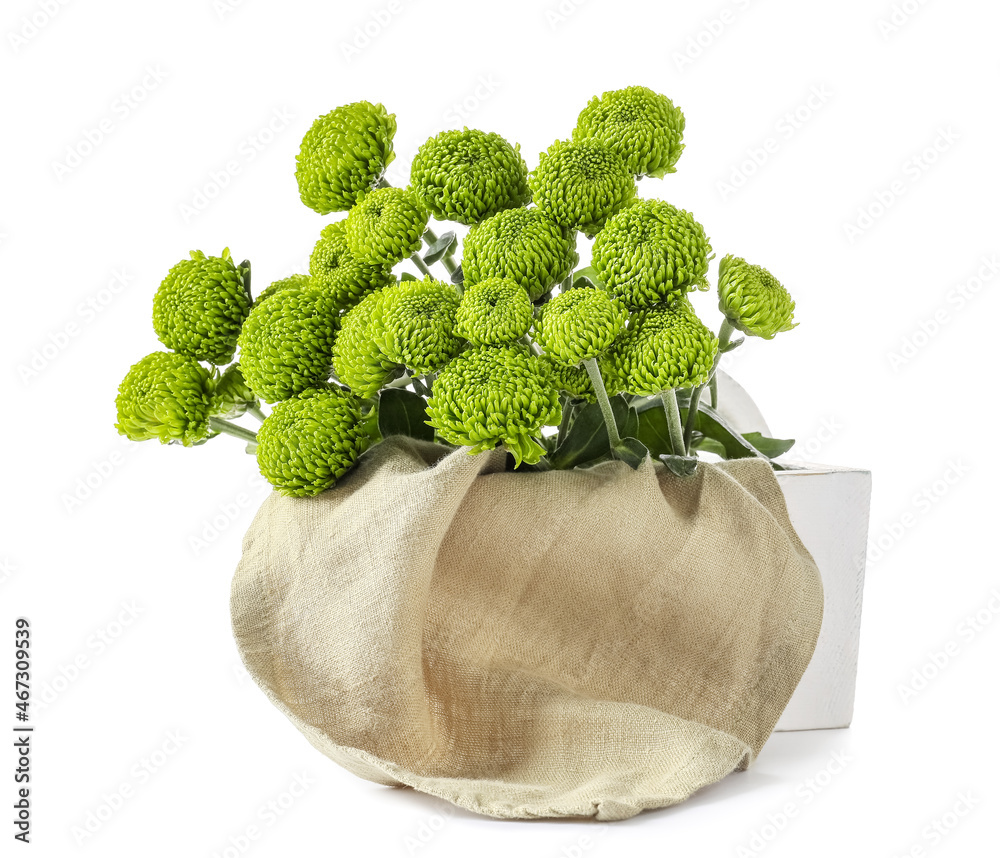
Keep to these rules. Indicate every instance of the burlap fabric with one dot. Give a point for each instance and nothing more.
(569, 643)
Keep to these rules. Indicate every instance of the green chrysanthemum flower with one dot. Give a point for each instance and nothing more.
(286, 344)
(580, 185)
(652, 252)
(343, 156)
(643, 127)
(167, 396)
(579, 324)
(415, 325)
(335, 269)
(357, 359)
(386, 226)
(308, 443)
(573, 380)
(295, 282)
(493, 312)
(753, 300)
(469, 175)
(664, 348)
(495, 395)
(200, 306)
(523, 245)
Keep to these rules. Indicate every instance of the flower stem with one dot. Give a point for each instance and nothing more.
(217, 424)
(602, 398)
(451, 266)
(421, 265)
(254, 409)
(669, 400)
(725, 334)
(567, 417)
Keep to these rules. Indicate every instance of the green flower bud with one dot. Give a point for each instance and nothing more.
(336, 270)
(664, 348)
(200, 306)
(753, 300)
(308, 443)
(580, 185)
(579, 324)
(232, 394)
(652, 252)
(386, 226)
(495, 395)
(523, 245)
(296, 282)
(641, 126)
(167, 396)
(344, 155)
(574, 380)
(286, 345)
(357, 359)
(493, 312)
(469, 175)
(415, 325)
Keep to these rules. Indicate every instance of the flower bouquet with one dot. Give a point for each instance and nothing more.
(517, 556)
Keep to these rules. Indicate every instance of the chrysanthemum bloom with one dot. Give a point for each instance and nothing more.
(580, 185)
(572, 380)
(344, 155)
(651, 252)
(308, 443)
(495, 395)
(286, 345)
(579, 324)
(643, 127)
(415, 325)
(200, 306)
(167, 396)
(664, 348)
(336, 270)
(523, 245)
(357, 359)
(469, 175)
(386, 226)
(493, 312)
(296, 282)
(753, 300)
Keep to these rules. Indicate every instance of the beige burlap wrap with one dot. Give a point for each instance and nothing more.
(569, 643)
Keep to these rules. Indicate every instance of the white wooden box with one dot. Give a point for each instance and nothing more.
(829, 508)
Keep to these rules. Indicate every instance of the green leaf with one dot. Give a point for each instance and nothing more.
(712, 424)
(653, 431)
(589, 276)
(439, 248)
(708, 445)
(244, 271)
(407, 276)
(770, 447)
(682, 466)
(402, 412)
(735, 344)
(587, 439)
(631, 451)
(458, 278)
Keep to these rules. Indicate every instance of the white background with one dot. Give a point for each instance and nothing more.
(92, 524)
